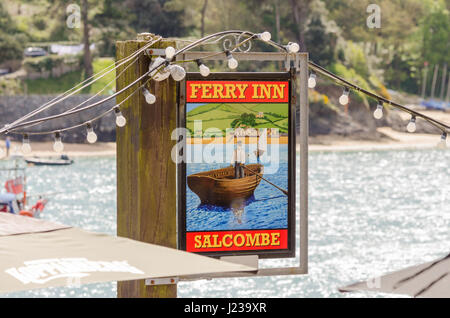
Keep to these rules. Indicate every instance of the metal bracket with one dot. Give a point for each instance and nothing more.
(297, 62)
(155, 52)
(161, 281)
(287, 62)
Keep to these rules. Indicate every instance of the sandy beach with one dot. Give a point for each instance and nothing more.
(392, 140)
(45, 149)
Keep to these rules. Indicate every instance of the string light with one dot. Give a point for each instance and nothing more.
(411, 127)
(58, 145)
(161, 68)
(204, 70)
(265, 36)
(443, 142)
(170, 52)
(158, 72)
(378, 113)
(312, 80)
(292, 47)
(149, 97)
(91, 135)
(26, 148)
(343, 100)
(177, 72)
(120, 119)
(232, 62)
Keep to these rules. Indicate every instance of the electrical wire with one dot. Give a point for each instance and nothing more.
(14, 128)
(319, 69)
(70, 92)
(220, 35)
(90, 98)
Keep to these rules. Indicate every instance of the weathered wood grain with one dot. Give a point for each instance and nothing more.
(146, 175)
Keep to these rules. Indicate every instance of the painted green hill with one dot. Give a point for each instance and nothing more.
(221, 115)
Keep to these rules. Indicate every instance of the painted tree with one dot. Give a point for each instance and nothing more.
(246, 120)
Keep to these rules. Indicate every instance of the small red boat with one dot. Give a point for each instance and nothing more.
(15, 199)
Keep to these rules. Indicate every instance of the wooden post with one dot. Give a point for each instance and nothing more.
(146, 174)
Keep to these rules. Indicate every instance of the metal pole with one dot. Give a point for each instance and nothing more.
(424, 81)
(444, 74)
(433, 84)
(447, 97)
(304, 136)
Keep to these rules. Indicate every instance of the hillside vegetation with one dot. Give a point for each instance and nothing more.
(223, 116)
(335, 32)
(51, 85)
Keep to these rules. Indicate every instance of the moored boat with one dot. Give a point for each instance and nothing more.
(219, 187)
(62, 161)
(15, 199)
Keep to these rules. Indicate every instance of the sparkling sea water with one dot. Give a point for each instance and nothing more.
(370, 213)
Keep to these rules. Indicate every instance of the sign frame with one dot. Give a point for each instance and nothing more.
(300, 63)
(287, 77)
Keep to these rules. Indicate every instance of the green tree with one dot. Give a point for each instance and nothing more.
(435, 29)
(153, 16)
(321, 43)
(11, 41)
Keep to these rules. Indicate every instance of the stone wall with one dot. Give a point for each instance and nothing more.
(50, 66)
(14, 107)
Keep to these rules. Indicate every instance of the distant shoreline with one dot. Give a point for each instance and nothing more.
(393, 140)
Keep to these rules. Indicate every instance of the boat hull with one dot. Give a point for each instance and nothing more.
(45, 162)
(219, 187)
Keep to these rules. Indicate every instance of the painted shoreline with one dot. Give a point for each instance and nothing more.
(394, 141)
(282, 140)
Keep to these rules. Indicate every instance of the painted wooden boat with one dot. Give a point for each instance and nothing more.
(219, 187)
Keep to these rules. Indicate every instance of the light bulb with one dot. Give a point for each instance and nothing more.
(160, 73)
(292, 47)
(378, 113)
(204, 70)
(443, 143)
(312, 80)
(26, 148)
(58, 146)
(120, 119)
(265, 36)
(177, 72)
(91, 135)
(343, 100)
(170, 52)
(232, 62)
(149, 97)
(411, 127)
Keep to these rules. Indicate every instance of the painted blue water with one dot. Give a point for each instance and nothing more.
(267, 209)
(370, 213)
